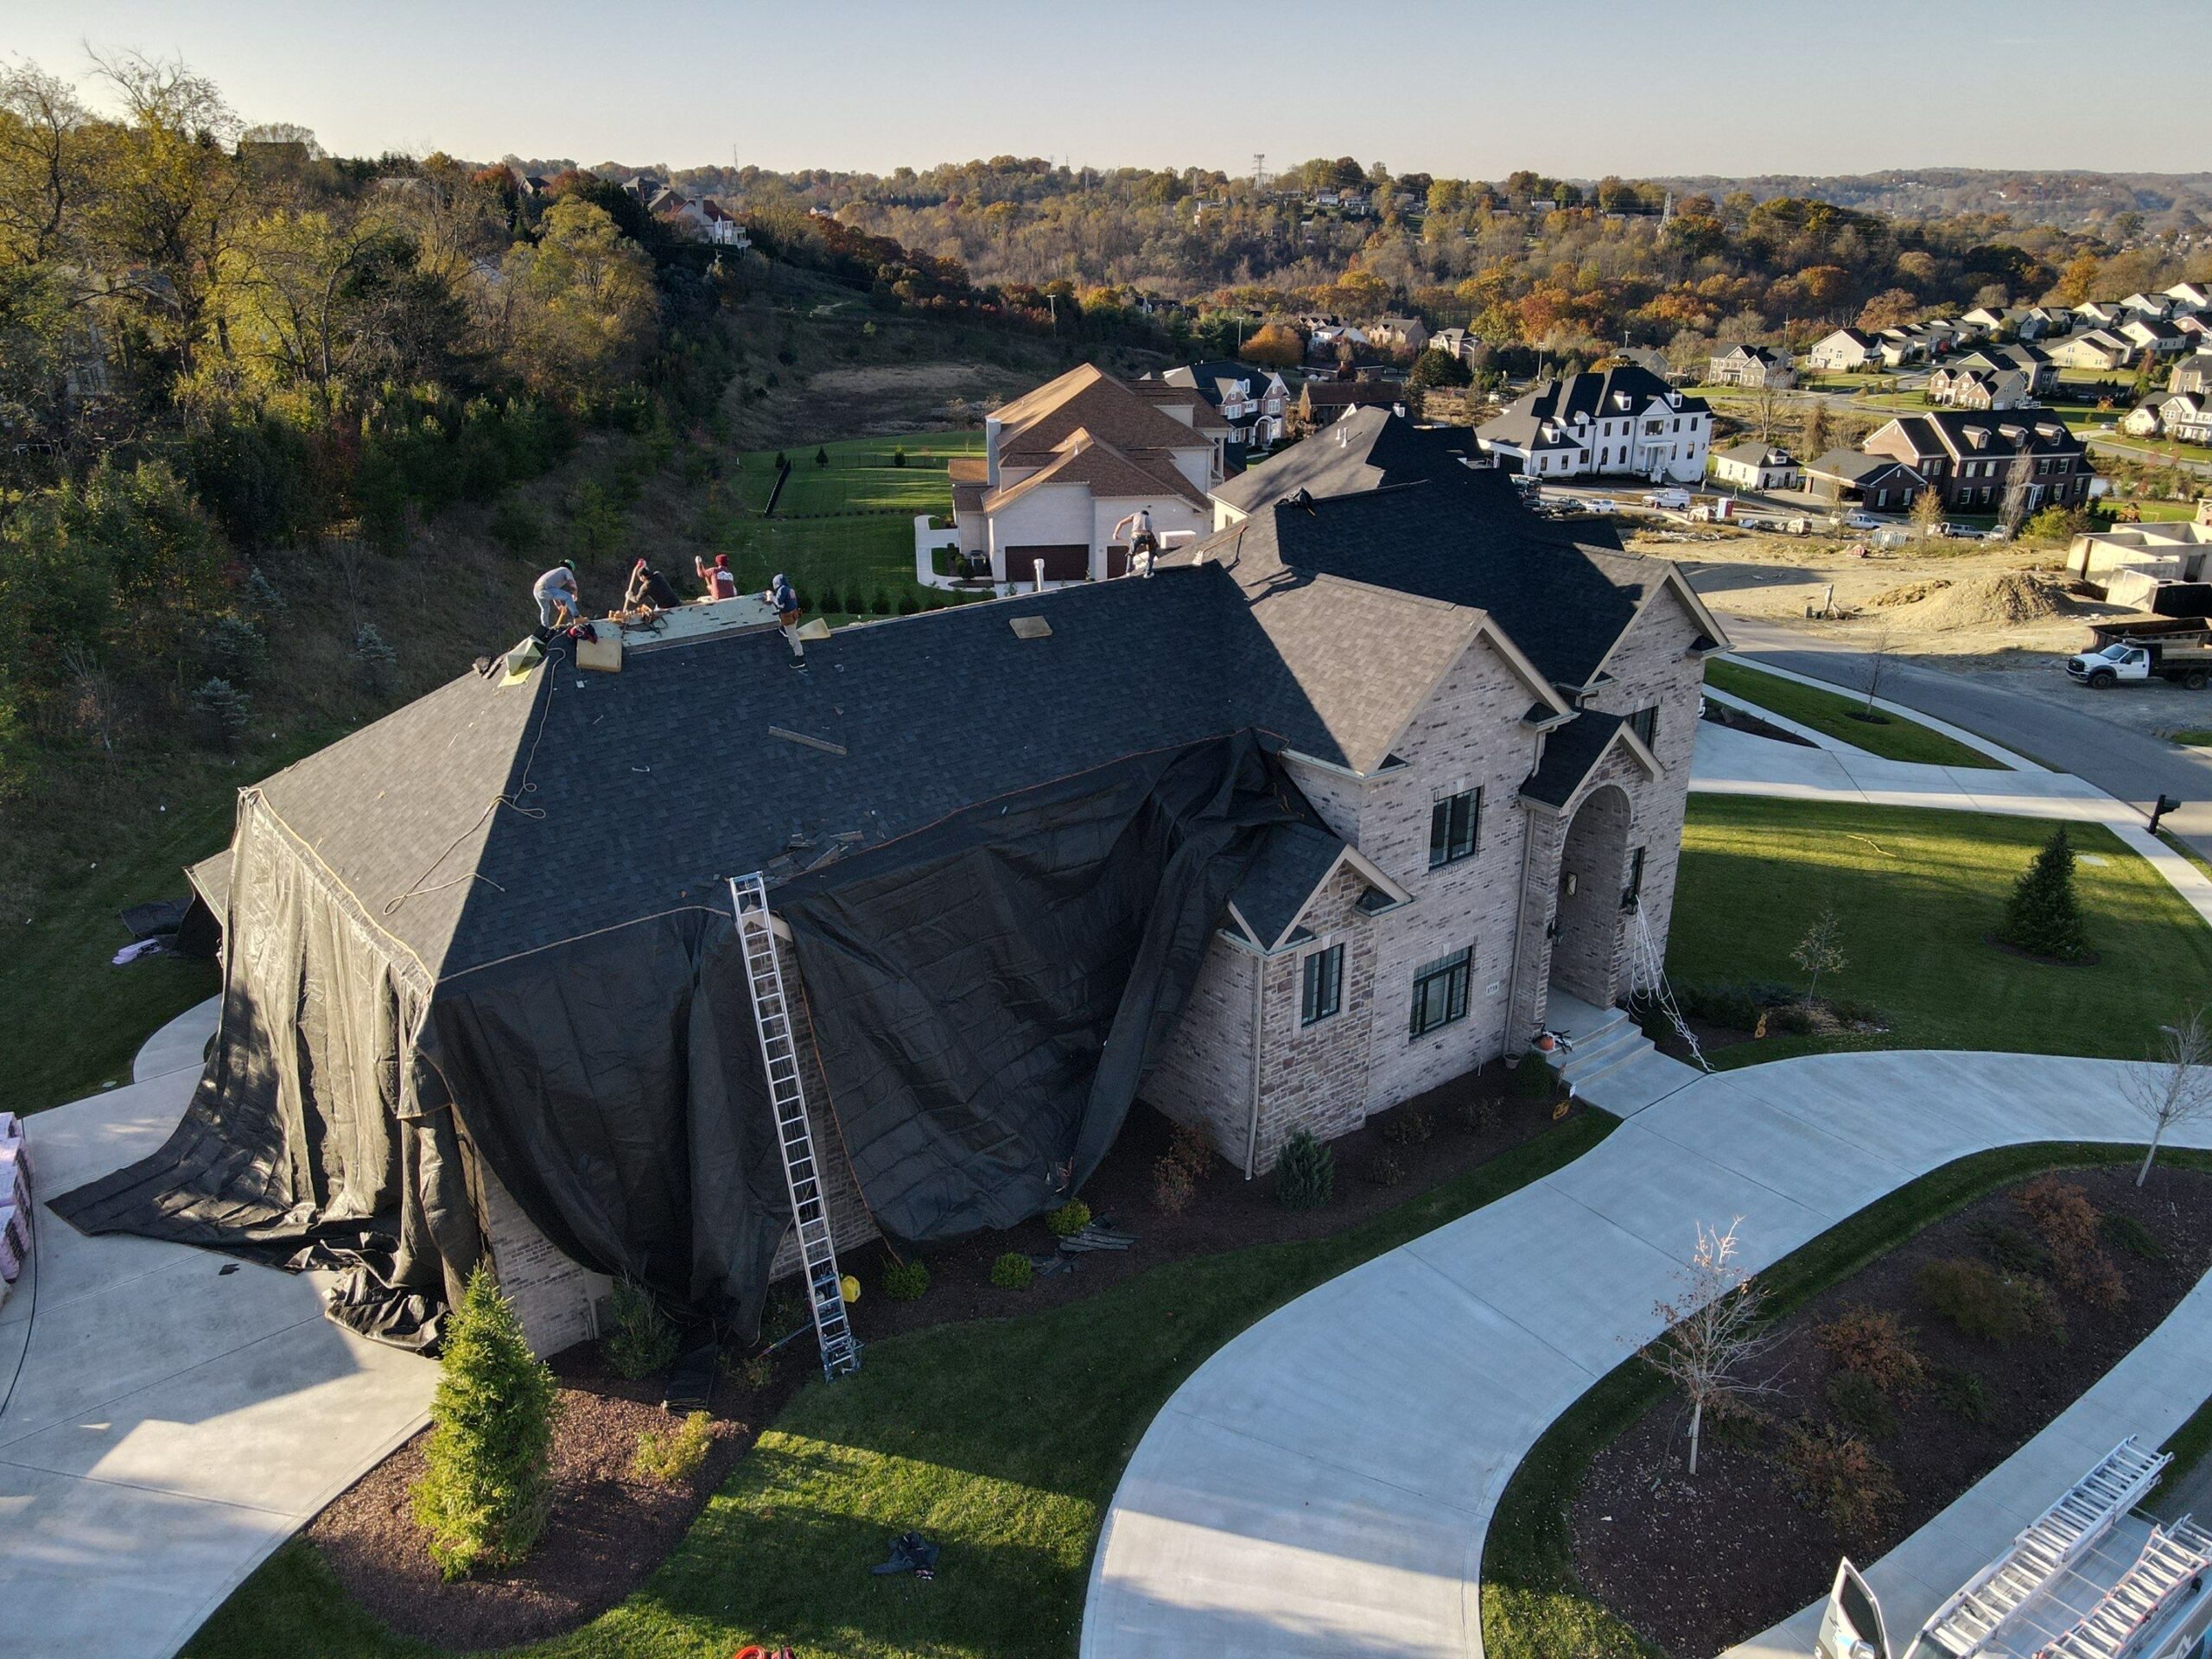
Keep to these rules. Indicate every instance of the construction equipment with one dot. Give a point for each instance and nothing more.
(764, 979)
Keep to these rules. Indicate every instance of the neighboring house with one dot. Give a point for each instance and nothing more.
(2176, 551)
(2049, 320)
(2197, 326)
(1328, 339)
(1757, 467)
(1743, 364)
(1399, 333)
(702, 217)
(1972, 459)
(1456, 342)
(1063, 464)
(1898, 348)
(2187, 416)
(1625, 421)
(2145, 421)
(1985, 320)
(2100, 314)
(2160, 306)
(1844, 351)
(1959, 388)
(1365, 450)
(2192, 373)
(2154, 334)
(1849, 476)
(1254, 402)
(2032, 363)
(2097, 349)
(1321, 402)
(2191, 297)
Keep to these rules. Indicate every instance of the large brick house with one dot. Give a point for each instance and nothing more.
(1971, 458)
(1622, 421)
(1477, 723)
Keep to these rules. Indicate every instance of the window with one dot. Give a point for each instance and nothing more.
(1634, 891)
(1652, 429)
(1440, 992)
(1454, 827)
(1644, 722)
(1324, 986)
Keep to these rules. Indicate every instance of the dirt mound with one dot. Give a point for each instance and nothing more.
(1911, 594)
(1999, 602)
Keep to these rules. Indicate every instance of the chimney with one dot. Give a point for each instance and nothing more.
(991, 450)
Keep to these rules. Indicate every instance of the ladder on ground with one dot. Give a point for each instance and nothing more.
(1647, 975)
(2064, 1532)
(772, 1020)
(2170, 1560)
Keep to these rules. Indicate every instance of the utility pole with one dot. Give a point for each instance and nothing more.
(1259, 170)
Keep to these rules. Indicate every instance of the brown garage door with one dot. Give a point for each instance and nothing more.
(1069, 562)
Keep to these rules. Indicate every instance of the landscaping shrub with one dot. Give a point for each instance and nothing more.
(908, 605)
(641, 1340)
(2070, 1226)
(1736, 1006)
(1478, 1116)
(1836, 1476)
(1069, 1219)
(880, 603)
(905, 1282)
(2045, 915)
(1533, 1078)
(1387, 1170)
(754, 1372)
(2013, 1251)
(483, 1496)
(1012, 1271)
(2125, 1233)
(1173, 1189)
(1984, 1303)
(669, 1456)
(1407, 1128)
(1869, 1342)
(1963, 1393)
(1189, 1146)
(1860, 1406)
(1306, 1173)
(898, 455)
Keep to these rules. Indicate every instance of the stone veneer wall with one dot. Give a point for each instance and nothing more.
(1315, 1076)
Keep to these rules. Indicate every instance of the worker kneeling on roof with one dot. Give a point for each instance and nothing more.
(721, 583)
(650, 590)
(555, 593)
(780, 594)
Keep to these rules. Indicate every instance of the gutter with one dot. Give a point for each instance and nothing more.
(1520, 917)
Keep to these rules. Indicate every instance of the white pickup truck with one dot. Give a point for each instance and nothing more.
(2127, 660)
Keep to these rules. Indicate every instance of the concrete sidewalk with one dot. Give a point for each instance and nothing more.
(1728, 762)
(1323, 1484)
(173, 1415)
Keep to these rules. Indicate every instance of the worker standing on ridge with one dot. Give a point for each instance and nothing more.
(1144, 544)
(721, 583)
(780, 594)
(555, 593)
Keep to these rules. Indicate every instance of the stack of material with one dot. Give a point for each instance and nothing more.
(14, 1202)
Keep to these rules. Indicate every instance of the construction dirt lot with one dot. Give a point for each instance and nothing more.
(2000, 613)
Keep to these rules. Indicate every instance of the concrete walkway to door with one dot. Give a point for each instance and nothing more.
(1323, 1484)
(173, 1415)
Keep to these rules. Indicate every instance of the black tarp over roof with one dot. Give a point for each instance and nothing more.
(501, 913)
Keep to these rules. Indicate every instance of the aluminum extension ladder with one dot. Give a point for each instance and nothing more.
(764, 979)
(2108, 1630)
(2061, 1535)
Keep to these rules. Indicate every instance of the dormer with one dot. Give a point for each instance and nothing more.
(1977, 437)
(1582, 417)
(1673, 400)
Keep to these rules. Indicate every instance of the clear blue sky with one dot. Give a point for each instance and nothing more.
(1574, 88)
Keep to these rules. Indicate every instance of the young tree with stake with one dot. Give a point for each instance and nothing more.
(2176, 1084)
(1820, 952)
(1713, 1337)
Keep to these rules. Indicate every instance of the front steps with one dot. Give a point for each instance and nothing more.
(1605, 1040)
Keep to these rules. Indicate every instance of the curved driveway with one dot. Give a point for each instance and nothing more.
(1323, 1484)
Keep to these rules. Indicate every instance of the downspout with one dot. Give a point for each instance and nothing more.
(1521, 919)
(1252, 1134)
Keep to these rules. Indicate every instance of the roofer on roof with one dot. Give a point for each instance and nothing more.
(649, 589)
(555, 593)
(720, 582)
(780, 594)
(1143, 543)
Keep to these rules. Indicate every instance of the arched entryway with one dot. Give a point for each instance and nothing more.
(1589, 920)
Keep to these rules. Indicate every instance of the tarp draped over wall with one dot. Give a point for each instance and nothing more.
(987, 993)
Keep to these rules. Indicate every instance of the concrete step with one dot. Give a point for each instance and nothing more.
(1604, 1040)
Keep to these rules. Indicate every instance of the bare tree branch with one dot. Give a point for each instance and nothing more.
(2175, 1085)
(1712, 1337)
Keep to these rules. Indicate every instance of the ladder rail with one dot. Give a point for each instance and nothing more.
(779, 1063)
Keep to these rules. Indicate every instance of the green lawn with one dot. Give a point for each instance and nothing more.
(1534, 1605)
(1002, 1440)
(860, 476)
(1917, 891)
(1840, 715)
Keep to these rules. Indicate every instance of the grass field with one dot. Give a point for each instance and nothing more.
(1917, 891)
(1534, 1605)
(1002, 1440)
(1838, 716)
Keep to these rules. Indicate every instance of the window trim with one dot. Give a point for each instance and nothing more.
(1456, 974)
(1644, 722)
(1321, 970)
(1453, 851)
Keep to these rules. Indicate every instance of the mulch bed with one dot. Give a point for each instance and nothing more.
(1697, 1566)
(2086, 959)
(609, 1530)
(1738, 719)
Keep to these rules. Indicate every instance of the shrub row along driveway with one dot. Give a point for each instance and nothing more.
(1324, 1483)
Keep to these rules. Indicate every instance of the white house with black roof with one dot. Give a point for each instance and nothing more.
(1624, 422)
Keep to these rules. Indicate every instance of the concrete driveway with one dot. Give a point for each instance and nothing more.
(1323, 1484)
(173, 1416)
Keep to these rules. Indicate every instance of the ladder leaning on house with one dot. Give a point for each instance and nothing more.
(764, 979)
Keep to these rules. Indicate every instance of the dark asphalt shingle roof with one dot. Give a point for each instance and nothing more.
(1364, 451)
(1282, 878)
(1570, 753)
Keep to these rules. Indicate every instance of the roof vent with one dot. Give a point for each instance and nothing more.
(1030, 627)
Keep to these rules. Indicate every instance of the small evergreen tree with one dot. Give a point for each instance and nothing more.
(2044, 916)
(484, 1492)
(821, 457)
(223, 710)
